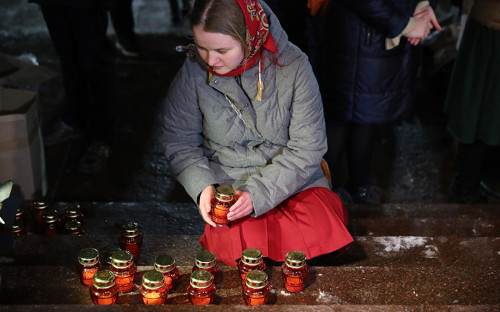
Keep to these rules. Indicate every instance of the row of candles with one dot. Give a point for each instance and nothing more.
(106, 284)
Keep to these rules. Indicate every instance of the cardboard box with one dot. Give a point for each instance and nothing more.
(21, 146)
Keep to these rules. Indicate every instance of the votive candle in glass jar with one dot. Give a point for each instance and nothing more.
(256, 289)
(36, 211)
(223, 200)
(50, 218)
(88, 265)
(251, 259)
(165, 264)
(104, 289)
(73, 211)
(124, 269)
(205, 260)
(294, 271)
(201, 289)
(18, 228)
(73, 227)
(131, 238)
(153, 289)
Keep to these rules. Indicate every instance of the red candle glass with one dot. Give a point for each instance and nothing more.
(205, 260)
(223, 200)
(124, 269)
(165, 264)
(88, 265)
(294, 271)
(153, 289)
(104, 289)
(131, 238)
(36, 211)
(251, 259)
(50, 219)
(256, 289)
(201, 289)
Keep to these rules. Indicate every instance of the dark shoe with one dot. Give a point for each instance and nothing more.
(366, 195)
(343, 194)
(491, 187)
(465, 194)
(128, 48)
(95, 158)
(61, 133)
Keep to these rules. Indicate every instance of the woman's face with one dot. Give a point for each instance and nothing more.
(222, 52)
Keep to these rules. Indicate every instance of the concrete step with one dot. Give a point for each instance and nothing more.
(377, 286)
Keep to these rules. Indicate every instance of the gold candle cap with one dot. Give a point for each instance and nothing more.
(104, 279)
(256, 279)
(295, 259)
(130, 229)
(88, 256)
(251, 256)
(205, 259)
(164, 263)
(121, 259)
(224, 193)
(153, 280)
(201, 279)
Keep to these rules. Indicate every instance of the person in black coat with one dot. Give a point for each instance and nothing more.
(78, 32)
(368, 78)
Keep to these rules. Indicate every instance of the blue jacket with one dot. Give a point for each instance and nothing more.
(362, 81)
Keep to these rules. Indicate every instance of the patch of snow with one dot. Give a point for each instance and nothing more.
(394, 244)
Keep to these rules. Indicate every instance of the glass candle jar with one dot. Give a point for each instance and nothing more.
(153, 288)
(131, 238)
(251, 259)
(165, 264)
(73, 211)
(17, 227)
(201, 289)
(73, 227)
(36, 211)
(223, 200)
(124, 269)
(104, 289)
(294, 271)
(205, 260)
(256, 289)
(88, 265)
(50, 219)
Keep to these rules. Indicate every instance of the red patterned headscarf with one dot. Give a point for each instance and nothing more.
(259, 36)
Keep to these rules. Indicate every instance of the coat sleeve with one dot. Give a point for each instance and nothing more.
(182, 138)
(382, 15)
(298, 163)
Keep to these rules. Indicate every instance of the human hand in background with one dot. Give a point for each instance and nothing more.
(243, 206)
(206, 204)
(425, 20)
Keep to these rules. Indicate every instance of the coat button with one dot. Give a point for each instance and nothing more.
(216, 81)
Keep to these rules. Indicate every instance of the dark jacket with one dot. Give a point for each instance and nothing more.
(362, 81)
(74, 3)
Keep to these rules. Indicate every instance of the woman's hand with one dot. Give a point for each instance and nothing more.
(206, 204)
(242, 208)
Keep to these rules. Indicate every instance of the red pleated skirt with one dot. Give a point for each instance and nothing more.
(312, 221)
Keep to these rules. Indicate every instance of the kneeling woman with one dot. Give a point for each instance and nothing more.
(245, 110)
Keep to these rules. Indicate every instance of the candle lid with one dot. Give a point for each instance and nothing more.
(73, 225)
(49, 216)
(108, 253)
(205, 259)
(19, 212)
(251, 256)
(40, 205)
(130, 229)
(295, 259)
(17, 226)
(88, 256)
(153, 280)
(201, 279)
(104, 279)
(73, 210)
(121, 258)
(256, 279)
(224, 193)
(164, 263)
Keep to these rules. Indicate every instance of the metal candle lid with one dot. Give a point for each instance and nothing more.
(40, 205)
(73, 210)
(224, 193)
(130, 229)
(164, 263)
(49, 216)
(295, 259)
(256, 279)
(205, 259)
(73, 226)
(251, 256)
(153, 280)
(201, 279)
(121, 259)
(88, 256)
(17, 226)
(104, 279)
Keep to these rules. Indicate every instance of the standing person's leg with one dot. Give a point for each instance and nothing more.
(360, 148)
(75, 110)
(174, 8)
(337, 134)
(96, 57)
(122, 18)
(465, 187)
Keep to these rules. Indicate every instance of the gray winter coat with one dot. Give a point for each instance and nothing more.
(216, 133)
